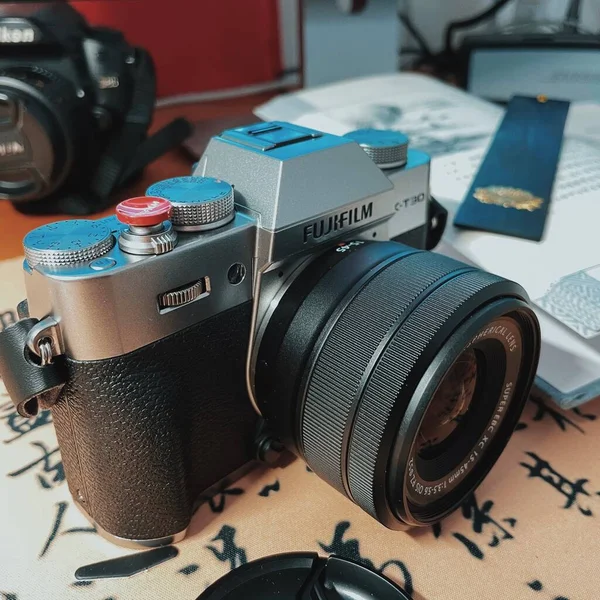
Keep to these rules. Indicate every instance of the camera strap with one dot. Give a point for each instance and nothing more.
(131, 151)
(31, 384)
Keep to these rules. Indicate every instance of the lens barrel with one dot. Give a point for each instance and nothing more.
(44, 124)
(354, 354)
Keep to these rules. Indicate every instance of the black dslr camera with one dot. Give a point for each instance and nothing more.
(282, 297)
(75, 106)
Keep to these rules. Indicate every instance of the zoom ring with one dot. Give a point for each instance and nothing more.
(333, 386)
(391, 373)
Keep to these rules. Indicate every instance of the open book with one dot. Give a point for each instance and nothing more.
(561, 273)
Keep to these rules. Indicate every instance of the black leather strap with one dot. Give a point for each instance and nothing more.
(128, 153)
(123, 147)
(131, 151)
(30, 386)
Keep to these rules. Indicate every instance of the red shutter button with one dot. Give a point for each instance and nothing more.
(144, 211)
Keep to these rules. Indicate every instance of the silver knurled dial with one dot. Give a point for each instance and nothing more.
(199, 203)
(388, 149)
(183, 296)
(67, 243)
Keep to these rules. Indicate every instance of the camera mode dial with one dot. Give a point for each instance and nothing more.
(388, 149)
(199, 203)
(67, 243)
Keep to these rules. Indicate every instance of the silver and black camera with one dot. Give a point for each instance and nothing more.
(279, 300)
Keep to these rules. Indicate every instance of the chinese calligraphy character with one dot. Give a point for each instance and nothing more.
(350, 549)
(571, 490)
(61, 508)
(582, 415)
(544, 410)
(7, 596)
(536, 586)
(189, 569)
(52, 471)
(217, 503)
(482, 523)
(21, 425)
(274, 487)
(231, 551)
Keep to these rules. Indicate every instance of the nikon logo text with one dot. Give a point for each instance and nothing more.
(328, 225)
(15, 35)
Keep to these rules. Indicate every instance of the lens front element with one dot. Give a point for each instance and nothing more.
(449, 405)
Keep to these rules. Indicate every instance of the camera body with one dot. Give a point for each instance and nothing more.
(161, 349)
(279, 300)
(66, 94)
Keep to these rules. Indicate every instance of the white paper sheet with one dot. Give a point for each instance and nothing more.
(455, 129)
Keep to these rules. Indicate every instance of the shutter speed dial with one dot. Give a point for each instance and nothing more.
(388, 149)
(67, 243)
(199, 203)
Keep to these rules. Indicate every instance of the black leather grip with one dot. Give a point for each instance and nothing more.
(29, 385)
(145, 434)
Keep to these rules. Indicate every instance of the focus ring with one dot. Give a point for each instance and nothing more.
(390, 375)
(334, 384)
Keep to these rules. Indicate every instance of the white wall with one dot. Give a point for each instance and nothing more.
(432, 16)
(339, 46)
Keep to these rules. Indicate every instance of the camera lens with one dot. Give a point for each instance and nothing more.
(398, 375)
(39, 127)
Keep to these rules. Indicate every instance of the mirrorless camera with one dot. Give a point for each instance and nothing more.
(75, 105)
(279, 298)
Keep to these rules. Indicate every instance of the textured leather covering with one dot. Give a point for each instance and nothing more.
(144, 434)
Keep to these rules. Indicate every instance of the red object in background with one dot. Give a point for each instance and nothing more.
(198, 46)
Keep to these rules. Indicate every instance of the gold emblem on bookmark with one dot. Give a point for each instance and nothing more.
(508, 197)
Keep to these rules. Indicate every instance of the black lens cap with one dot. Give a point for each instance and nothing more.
(303, 576)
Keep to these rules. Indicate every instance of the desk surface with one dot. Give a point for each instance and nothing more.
(14, 225)
(530, 532)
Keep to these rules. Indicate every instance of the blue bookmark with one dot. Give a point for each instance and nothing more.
(512, 190)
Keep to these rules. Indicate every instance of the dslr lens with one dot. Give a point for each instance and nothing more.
(398, 375)
(39, 123)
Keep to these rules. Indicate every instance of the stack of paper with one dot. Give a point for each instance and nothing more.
(561, 273)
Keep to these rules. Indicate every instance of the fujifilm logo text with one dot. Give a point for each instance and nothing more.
(15, 35)
(328, 225)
